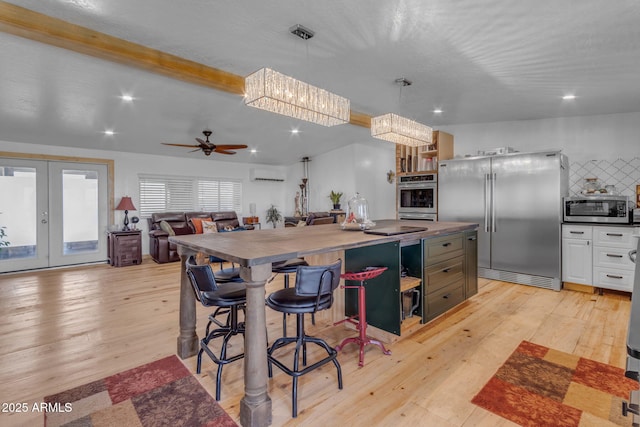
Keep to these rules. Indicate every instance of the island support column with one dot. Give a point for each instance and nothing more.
(255, 406)
(188, 343)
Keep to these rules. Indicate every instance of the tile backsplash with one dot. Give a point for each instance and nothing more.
(624, 174)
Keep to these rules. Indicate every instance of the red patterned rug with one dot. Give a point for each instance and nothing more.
(161, 393)
(538, 386)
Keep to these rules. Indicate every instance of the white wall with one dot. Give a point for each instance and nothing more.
(360, 167)
(583, 138)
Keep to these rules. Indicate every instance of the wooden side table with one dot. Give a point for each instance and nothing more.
(124, 248)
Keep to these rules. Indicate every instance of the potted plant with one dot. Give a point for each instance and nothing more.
(273, 216)
(335, 199)
(3, 234)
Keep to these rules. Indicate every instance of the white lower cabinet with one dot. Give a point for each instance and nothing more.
(599, 255)
(577, 264)
(612, 268)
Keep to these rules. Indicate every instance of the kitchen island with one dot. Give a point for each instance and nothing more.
(255, 252)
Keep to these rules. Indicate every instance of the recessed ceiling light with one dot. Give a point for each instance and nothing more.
(569, 97)
(294, 131)
(253, 150)
(127, 98)
(437, 111)
(109, 132)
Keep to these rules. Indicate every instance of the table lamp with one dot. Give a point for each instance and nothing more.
(126, 205)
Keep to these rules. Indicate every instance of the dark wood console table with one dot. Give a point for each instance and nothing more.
(255, 252)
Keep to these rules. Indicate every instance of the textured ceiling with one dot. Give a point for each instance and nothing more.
(480, 61)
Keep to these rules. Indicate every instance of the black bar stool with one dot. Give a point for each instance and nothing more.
(313, 292)
(287, 267)
(228, 298)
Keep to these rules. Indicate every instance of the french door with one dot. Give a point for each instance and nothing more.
(51, 213)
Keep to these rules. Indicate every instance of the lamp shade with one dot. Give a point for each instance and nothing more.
(126, 204)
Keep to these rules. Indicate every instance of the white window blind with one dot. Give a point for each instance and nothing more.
(170, 193)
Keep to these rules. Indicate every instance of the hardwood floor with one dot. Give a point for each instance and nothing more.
(66, 327)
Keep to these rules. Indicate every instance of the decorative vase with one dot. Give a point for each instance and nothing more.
(336, 206)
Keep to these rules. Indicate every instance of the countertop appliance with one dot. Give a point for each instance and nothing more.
(418, 196)
(517, 200)
(600, 208)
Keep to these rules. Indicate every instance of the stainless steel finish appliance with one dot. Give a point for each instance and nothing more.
(635, 218)
(597, 208)
(633, 346)
(418, 196)
(417, 216)
(517, 201)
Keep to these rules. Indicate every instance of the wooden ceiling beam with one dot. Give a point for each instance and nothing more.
(42, 28)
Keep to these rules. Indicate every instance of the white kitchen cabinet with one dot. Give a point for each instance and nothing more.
(612, 268)
(577, 258)
(598, 255)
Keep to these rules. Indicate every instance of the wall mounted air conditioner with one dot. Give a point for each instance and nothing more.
(266, 175)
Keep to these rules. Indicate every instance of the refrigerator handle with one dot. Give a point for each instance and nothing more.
(487, 202)
(493, 203)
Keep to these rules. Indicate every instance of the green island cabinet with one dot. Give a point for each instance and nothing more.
(441, 270)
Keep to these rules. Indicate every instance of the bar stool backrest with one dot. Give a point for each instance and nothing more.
(318, 280)
(201, 278)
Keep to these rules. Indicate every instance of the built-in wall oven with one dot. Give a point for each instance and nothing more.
(418, 196)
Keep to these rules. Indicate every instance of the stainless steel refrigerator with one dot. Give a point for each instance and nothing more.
(517, 201)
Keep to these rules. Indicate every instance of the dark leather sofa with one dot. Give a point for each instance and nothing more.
(161, 250)
(314, 218)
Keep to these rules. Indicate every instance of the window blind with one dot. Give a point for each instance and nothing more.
(169, 193)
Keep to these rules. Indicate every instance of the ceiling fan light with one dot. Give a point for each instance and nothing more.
(265, 87)
(400, 130)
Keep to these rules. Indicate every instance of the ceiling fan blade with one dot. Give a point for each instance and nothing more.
(181, 145)
(204, 143)
(197, 149)
(218, 150)
(232, 146)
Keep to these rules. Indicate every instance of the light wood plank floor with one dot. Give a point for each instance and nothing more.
(66, 327)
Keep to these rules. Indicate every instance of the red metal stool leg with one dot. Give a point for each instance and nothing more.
(362, 340)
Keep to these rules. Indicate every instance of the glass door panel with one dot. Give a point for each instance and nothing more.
(79, 209)
(23, 215)
(51, 214)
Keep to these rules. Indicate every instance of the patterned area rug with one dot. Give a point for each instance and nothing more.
(161, 393)
(538, 386)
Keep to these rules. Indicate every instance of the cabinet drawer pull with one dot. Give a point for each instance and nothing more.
(576, 232)
(446, 244)
(471, 238)
(446, 296)
(615, 234)
(613, 276)
(446, 270)
(614, 255)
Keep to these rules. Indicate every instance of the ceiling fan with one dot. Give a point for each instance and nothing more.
(208, 147)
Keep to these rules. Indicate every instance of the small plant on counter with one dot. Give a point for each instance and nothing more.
(335, 199)
(273, 216)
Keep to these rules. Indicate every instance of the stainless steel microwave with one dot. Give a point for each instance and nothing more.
(598, 208)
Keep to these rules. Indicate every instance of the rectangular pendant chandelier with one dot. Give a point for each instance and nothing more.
(273, 91)
(400, 130)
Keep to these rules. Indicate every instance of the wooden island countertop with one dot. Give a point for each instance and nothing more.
(255, 251)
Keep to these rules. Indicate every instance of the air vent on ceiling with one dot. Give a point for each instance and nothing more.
(266, 175)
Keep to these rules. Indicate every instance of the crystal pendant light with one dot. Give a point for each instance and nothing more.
(273, 91)
(400, 130)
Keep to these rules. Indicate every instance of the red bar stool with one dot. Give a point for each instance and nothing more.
(361, 324)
